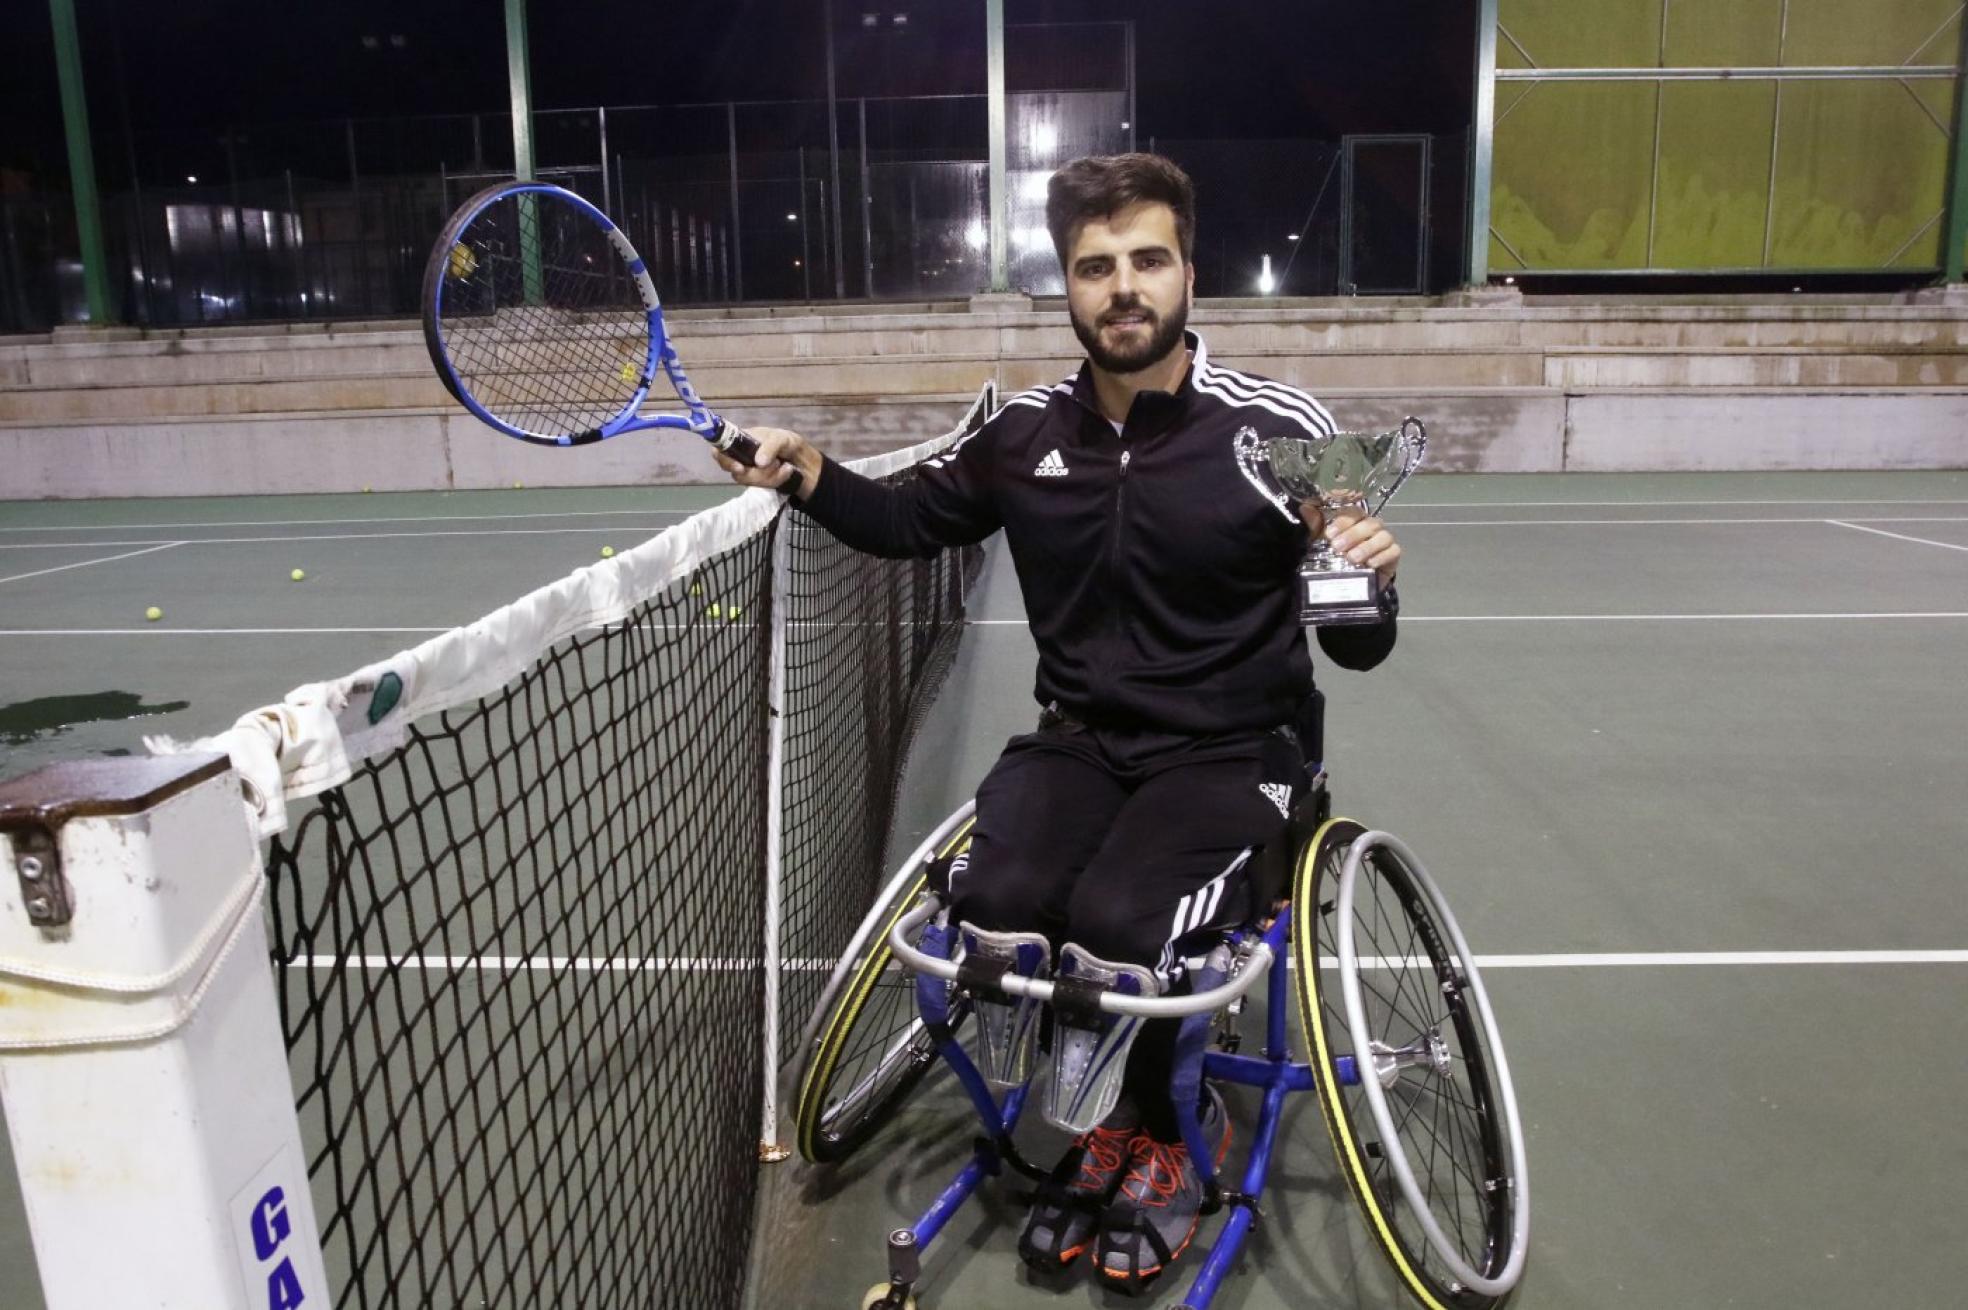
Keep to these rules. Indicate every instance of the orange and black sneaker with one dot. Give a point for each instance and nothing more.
(1159, 1205)
(1068, 1206)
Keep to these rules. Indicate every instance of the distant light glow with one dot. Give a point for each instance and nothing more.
(192, 178)
(975, 236)
(901, 20)
(1291, 236)
(1266, 284)
(1043, 139)
(1032, 186)
(1031, 237)
(792, 218)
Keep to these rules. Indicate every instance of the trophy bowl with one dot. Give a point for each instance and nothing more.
(1339, 472)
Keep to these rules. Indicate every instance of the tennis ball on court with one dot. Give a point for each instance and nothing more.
(153, 614)
(518, 485)
(734, 612)
(714, 611)
(608, 552)
(463, 262)
(365, 491)
(297, 575)
(696, 588)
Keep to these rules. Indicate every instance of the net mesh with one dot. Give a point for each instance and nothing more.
(519, 953)
(896, 624)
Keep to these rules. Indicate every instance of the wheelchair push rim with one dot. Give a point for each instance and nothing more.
(1433, 1065)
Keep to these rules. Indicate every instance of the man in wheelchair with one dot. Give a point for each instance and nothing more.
(1174, 676)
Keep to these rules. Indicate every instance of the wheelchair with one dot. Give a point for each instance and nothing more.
(1399, 1044)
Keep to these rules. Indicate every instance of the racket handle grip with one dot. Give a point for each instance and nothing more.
(741, 446)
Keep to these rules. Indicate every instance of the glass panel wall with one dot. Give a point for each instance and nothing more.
(1722, 136)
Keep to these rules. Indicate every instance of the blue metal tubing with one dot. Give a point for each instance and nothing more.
(1223, 1255)
(1257, 1071)
(932, 1000)
(1277, 1044)
(982, 1165)
(1275, 1071)
(1279, 1075)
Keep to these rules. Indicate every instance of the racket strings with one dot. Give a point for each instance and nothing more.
(541, 317)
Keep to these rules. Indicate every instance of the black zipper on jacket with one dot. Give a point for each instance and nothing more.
(1115, 571)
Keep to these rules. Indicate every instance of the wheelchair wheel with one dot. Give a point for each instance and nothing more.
(870, 1049)
(1427, 1134)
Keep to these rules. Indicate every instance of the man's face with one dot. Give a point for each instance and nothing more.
(1127, 289)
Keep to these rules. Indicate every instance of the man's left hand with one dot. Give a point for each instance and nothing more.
(1362, 539)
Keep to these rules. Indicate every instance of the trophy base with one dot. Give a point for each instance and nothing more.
(1329, 597)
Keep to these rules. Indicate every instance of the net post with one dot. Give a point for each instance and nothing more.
(141, 1057)
(770, 1148)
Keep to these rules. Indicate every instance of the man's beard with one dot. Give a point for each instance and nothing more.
(1164, 335)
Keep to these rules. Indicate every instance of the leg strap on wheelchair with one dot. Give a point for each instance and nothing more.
(1002, 1150)
(1007, 1026)
(1126, 1232)
(1090, 1046)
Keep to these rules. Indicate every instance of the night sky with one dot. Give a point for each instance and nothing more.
(1225, 68)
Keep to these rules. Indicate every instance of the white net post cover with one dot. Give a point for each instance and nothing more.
(139, 1036)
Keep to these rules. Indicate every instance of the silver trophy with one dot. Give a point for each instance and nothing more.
(1339, 471)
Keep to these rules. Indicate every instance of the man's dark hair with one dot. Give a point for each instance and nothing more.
(1100, 186)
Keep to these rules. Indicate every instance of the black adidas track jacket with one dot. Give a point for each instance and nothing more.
(1160, 583)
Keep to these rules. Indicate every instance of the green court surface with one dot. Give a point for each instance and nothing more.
(1638, 727)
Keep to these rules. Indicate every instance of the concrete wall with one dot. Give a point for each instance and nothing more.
(1505, 385)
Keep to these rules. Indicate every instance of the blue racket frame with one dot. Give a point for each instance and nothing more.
(660, 352)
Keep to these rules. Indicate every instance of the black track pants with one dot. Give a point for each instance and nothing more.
(1132, 845)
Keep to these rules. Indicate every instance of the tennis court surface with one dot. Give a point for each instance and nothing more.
(1682, 750)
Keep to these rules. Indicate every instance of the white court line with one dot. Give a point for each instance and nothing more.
(1649, 504)
(685, 513)
(1404, 524)
(561, 531)
(718, 964)
(618, 529)
(1603, 618)
(1671, 618)
(1918, 541)
(522, 532)
(83, 564)
(535, 963)
(206, 632)
(328, 523)
(975, 623)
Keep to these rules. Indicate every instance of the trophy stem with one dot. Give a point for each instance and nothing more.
(1320, 555)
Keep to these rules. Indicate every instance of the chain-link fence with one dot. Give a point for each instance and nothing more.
(736, 202)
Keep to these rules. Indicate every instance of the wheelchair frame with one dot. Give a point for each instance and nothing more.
(1232, 969)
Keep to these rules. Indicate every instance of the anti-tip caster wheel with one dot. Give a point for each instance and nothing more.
(885, 1296)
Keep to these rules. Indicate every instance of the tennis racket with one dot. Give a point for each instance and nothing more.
(543, 321)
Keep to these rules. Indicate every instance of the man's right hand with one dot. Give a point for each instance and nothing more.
(779, 453)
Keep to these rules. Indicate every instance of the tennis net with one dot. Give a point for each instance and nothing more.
(517, 899)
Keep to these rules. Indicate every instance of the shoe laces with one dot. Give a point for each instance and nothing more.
(1161, 1169)
(1104, 1153)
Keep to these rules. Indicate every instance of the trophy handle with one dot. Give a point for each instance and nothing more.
(1412, 437)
